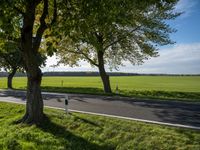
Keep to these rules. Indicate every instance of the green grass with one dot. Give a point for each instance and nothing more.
(88, 132)
(161, 87)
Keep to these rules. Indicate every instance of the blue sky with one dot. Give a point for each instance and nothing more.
(180, 58)
(188, 24)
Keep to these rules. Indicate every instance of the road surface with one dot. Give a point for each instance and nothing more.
(182, 113)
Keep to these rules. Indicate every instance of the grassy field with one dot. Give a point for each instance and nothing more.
(170, 87)
(88, 132)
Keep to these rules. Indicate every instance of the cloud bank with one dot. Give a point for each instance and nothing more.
(179, 59)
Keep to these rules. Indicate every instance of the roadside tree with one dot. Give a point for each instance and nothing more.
(31, 20)
(10, 60)
(114, 31)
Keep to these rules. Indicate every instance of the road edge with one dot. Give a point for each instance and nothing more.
(118, 117)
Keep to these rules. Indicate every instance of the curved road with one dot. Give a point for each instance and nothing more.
(181, 113)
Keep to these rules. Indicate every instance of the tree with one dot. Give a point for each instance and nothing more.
(10, 55)
(110, 32)
(10, 60)
(31, 19)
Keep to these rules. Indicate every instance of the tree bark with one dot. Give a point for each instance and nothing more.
(10, 78)
(29, 45)
(34, 104)
(104, 77)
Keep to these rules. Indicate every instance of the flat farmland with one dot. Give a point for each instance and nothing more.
(142, 86)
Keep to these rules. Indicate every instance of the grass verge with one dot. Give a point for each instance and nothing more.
(163, 95)
(155, 95)
(84, 132)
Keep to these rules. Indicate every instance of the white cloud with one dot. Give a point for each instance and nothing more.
(180, 59)
(186, 6)
(51, 61)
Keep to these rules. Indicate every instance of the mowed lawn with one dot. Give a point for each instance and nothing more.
(183, 87)
(88, 132)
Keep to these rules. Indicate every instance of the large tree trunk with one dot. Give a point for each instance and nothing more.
(104, 77)
(34, 105)
(10, 78)
(30, 45)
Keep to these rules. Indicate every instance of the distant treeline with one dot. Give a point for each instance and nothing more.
(19, 74)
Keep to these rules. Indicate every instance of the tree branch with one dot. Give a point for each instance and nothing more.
(85, 55)
(91, 61)
(54, 13)
(43, 24)
(42, 27)
(119, 39)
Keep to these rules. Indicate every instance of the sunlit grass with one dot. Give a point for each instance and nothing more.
(85, 132)
(162, 87)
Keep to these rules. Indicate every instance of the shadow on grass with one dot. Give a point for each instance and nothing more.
(67, 139)
(162, 95)
(80, 90)
(85, 120)
(70, 140)
(150, 94)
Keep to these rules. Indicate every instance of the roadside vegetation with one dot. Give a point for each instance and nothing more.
(145, 87)
(80, 131)
(100, 32)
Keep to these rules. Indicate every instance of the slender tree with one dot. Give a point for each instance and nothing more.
(10, 55)
(111, 32)
(10, 60)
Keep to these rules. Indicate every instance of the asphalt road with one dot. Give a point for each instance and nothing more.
(161, 111)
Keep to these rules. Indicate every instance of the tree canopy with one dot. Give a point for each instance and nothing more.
(117, 31)
(99, 31)
(10, 59)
